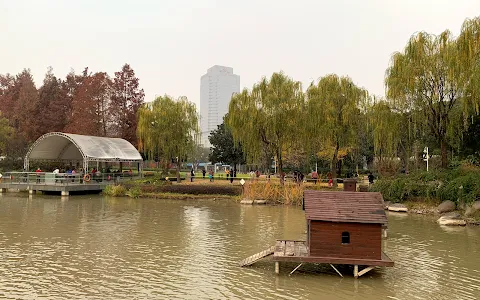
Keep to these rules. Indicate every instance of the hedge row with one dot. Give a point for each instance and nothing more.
(212, 189)
(456, 185)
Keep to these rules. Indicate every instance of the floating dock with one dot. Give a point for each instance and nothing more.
(62, 183)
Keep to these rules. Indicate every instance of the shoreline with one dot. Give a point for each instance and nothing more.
(431, 209)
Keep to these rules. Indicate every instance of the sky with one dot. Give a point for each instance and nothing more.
(170, 44)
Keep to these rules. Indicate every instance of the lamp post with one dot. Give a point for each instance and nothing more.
(425, 152)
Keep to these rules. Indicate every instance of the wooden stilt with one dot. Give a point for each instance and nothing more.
(355, 271)
(296, 268)
(362, 272)
(336, 270)
(277, 267)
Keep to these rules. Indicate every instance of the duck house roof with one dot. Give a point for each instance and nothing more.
(355, 207)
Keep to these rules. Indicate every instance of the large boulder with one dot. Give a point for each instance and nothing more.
(446, 206)
(452, 219)
(473, 210)
(397, 207)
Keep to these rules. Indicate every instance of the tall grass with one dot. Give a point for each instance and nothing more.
(273, 192)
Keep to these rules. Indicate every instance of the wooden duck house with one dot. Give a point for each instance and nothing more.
(342, 228)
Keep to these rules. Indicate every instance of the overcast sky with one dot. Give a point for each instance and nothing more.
(171, 43)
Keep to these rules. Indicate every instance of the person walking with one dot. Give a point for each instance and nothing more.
(315, 176)
(192, 175)
(210, 175)
(330, 179)
(203, 172)
(371, 178)
(38, 171)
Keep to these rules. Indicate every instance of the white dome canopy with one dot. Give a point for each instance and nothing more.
(67, 146)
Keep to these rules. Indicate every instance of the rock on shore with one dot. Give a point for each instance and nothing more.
(452, 219)
(446, 206)
(246, 201)
(397, 207)
(473, 210)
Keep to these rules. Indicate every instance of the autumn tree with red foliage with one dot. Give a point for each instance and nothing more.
(127, 98)
(7, 83)
(54, 105)
(90, 103)
(26, 106)
(86, 103)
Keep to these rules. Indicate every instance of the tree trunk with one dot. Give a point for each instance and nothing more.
(339, 167)
(333, 167)
(178, 171)
(443, 147)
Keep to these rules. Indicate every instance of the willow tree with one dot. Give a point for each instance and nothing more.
(468, 44)
(266, 119)
(333, 115)
(394, 133)
(168, 129)
(426, 77)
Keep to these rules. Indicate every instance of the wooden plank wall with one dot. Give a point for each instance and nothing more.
(326, 240)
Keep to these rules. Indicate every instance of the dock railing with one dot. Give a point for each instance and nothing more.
(49, 178)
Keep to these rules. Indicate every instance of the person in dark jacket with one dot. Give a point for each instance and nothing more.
(370, 178)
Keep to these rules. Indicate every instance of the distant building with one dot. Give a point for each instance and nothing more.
(216, 90)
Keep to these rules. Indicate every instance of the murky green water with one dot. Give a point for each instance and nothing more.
(120, 248)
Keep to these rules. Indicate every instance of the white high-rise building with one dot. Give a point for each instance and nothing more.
(216, 90)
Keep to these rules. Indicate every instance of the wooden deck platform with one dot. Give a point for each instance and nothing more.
(297, 251)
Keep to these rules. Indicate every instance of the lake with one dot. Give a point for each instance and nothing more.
(98, 247)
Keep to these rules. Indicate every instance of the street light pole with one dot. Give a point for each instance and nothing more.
(425, 151)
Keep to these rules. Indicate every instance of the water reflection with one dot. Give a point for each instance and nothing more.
(123, 248)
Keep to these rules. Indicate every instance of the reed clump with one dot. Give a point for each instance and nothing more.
(274, 192)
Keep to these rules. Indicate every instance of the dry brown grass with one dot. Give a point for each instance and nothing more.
(273, 192)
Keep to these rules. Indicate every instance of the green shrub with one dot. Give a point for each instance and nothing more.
(134, 192)
(460, 184)
(115, 190)
(464, 188)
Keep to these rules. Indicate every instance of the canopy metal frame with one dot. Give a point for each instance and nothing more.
(85, 158)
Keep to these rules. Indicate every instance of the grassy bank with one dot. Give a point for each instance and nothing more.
(154, 187)
(460, 185)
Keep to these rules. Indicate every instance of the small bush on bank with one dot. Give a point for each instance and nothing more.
(115, 190)
(134, 192)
